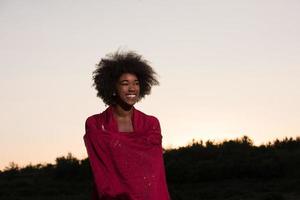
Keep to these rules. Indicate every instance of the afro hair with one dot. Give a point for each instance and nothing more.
(110, 68)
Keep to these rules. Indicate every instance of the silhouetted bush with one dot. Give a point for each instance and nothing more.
(241, 169)
(232, 159)
(67, 167)
(11, 171)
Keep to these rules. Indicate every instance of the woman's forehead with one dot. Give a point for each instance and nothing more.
(128, 76)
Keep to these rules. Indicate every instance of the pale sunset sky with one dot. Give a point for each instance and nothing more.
(226, 69)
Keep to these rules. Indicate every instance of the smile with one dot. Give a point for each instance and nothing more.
(131, 95)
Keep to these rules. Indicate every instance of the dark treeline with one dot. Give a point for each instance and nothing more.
(196, 171)
(231, 159)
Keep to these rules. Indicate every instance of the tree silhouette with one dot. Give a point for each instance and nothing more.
(205, 163)
(67, 167)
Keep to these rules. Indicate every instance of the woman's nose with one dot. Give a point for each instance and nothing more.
(132, 87)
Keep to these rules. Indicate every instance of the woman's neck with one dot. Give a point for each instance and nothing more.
(123, 112)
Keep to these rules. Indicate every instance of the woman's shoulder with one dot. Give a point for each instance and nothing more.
(149, 120)
(91, 122)
(149, 117)
(92, 119)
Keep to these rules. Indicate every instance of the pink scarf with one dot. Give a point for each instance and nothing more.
(126, 166)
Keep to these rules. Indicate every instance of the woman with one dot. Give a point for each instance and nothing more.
(124, 145)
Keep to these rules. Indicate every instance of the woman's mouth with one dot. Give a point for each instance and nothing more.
(131, 95)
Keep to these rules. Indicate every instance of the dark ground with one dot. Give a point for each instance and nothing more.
(231, 170)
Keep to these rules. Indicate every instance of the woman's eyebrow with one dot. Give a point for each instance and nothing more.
(128, 81)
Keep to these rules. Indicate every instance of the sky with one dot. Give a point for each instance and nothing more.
(226, 69)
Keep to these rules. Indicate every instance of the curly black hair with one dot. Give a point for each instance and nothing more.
(110, 68)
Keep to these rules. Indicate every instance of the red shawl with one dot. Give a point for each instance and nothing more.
(126, 166)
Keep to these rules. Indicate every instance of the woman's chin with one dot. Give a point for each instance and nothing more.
(127, 103)
(130, 103)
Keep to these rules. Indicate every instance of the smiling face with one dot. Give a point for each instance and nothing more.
(128, 89)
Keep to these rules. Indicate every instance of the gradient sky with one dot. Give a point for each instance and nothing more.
(226, 69)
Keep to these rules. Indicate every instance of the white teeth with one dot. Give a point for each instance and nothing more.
(131, 95)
